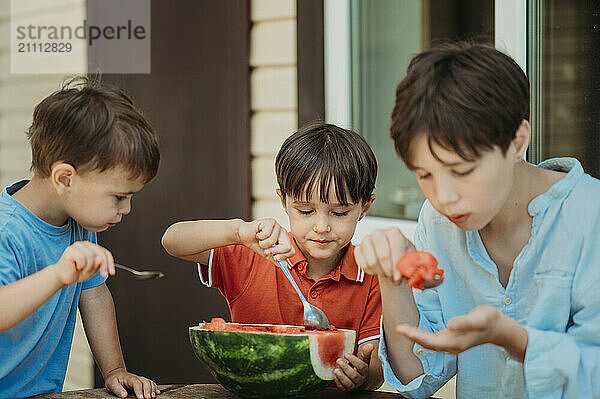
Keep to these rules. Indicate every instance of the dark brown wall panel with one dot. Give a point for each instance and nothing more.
(310, 56)
(197, 98)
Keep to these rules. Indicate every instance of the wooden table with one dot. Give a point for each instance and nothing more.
(210, 391)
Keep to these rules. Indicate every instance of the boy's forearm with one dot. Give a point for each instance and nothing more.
(375, 379)
(99, 321)
(21, 299)
(511, 336)
(399, 307)
(185, 239)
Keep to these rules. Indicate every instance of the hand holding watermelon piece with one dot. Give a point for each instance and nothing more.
(352, 371)
(419, 267)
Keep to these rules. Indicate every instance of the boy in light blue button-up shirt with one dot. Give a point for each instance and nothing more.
(517, 315)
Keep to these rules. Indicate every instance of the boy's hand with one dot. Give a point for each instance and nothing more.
(479, 326)
(81, 260)
(267, 238)
(353, 371)
(379, 252)
(118, 380)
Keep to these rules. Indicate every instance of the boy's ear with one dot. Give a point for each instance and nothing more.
(521, 140)
(282, 199)
(61, 176)
(367, 205)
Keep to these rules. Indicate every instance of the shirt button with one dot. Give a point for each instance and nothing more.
(428, 376)
(314, 294)
(419, 352)
(507, 301)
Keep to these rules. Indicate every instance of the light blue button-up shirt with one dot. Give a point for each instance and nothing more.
(553, 291)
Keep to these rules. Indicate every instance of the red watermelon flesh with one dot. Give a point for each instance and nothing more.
(419, 267)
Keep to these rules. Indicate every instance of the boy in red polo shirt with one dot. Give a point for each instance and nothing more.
(326, 177)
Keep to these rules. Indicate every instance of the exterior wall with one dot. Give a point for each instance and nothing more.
(18, 96)
(273, 97)
(274, 117)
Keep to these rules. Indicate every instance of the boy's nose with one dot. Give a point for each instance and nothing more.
(126, 209)
(446, 193)
(321, 227)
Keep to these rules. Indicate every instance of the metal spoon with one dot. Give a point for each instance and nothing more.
(141, 275)
(313, 316)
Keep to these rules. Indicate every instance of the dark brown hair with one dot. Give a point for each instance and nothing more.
(465, 97)
(92, 126)
(320, 153)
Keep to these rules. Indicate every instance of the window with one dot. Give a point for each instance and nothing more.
(385, 35)
(554, 41)
(565, 80)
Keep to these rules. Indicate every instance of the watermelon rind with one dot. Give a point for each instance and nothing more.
(259, 365)
(323, 372)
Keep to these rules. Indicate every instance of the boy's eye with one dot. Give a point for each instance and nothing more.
(305, 212)
(120, 197)
(466, 172)
(423, 176)
(340, 213)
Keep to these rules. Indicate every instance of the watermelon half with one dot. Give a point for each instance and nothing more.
(268, 360)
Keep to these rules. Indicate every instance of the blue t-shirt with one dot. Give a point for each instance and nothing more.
(552, 293)
(34, 353)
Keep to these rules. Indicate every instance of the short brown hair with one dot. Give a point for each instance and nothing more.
(92, 126)
(465, 97)
(321, 153)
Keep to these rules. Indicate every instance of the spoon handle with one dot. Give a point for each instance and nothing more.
(123, 267)
(284, 268)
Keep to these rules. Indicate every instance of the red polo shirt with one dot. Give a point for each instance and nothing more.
(258, 292)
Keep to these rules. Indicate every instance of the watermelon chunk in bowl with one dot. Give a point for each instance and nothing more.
(269, 360)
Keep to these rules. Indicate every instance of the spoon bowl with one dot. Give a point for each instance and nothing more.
(313, 316)
(141, 274)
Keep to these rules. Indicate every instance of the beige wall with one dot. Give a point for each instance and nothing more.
(18, 96)
(273, 97)
(80, 370)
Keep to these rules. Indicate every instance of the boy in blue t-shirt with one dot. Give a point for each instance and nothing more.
(517, 314)
(91, 151)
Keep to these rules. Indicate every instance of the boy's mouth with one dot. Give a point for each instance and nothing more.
(458, 219)
(322, 242)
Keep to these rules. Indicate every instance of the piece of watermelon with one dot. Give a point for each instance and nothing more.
(268, 360)
(419, 267)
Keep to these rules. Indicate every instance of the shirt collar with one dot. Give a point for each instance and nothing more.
(561, 188)
(347, 266)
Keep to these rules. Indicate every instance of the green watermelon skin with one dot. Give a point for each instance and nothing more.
(238, 361)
